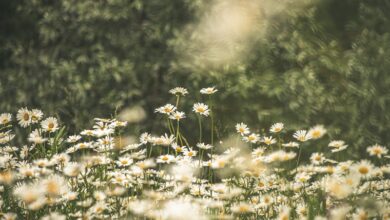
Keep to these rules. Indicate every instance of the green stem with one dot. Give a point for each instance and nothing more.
(177, 101)
(169, 126)
(200, 129)
(212, 121)
(177, 130)
(299, 156)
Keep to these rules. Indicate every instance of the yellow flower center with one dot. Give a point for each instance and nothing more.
(316, 134)
(26, 116)
(50, 125)
(200, 109)
(52, 188)
(363, 170)
(243, 209)
(377, 151)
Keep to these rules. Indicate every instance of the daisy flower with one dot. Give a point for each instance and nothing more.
(24, 117)
(242, 208)
(301, 135)
(208, 91)
(201, 109)
(317, 158)
(258, 152)
(337, 145)
(55, 185)
(167, 158)
(87, 133)
(268, 140)
(302, 177)
(50, 124)
(28, 193)
(317, 131)
(5, 118)
(145, 138)
(179, 91)
(189, 152)
(277, 127)
(242, 128)
(73, 138)
(124, 161)
(36, 137)
(301, 210)
(177, 115)
(204, 146)
(166, 140)
(36, 115)
(377, 150)
(72, 169)
(291, 144)
(166, 109)
(253, 138)
(6, 137)
(177, 148)
(364, 168)
(284, 213)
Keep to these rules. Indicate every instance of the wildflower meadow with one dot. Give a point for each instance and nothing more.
(255, 175)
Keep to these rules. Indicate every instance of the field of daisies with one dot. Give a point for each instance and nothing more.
(267, 175)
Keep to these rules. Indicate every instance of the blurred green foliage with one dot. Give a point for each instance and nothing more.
(326, 62)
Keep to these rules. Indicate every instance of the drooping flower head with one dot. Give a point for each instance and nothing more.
(180, 91)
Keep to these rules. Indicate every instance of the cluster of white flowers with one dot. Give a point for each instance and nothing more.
(279, 174)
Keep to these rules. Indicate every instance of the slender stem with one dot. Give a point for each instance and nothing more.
(212, 120)
(177, 101)
(150, 151)
(171, 130)
(299, 155)
(177, 130)
(212, 128)
(200, 129)
(185, 139)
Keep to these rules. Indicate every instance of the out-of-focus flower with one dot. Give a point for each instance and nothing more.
(5, 118)
(252, 138)
(180, 91)
(209, 90)
(165, 159)
(302, 135)
(276, 128)
(337, 146)
(377, 150)
(317, 131)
